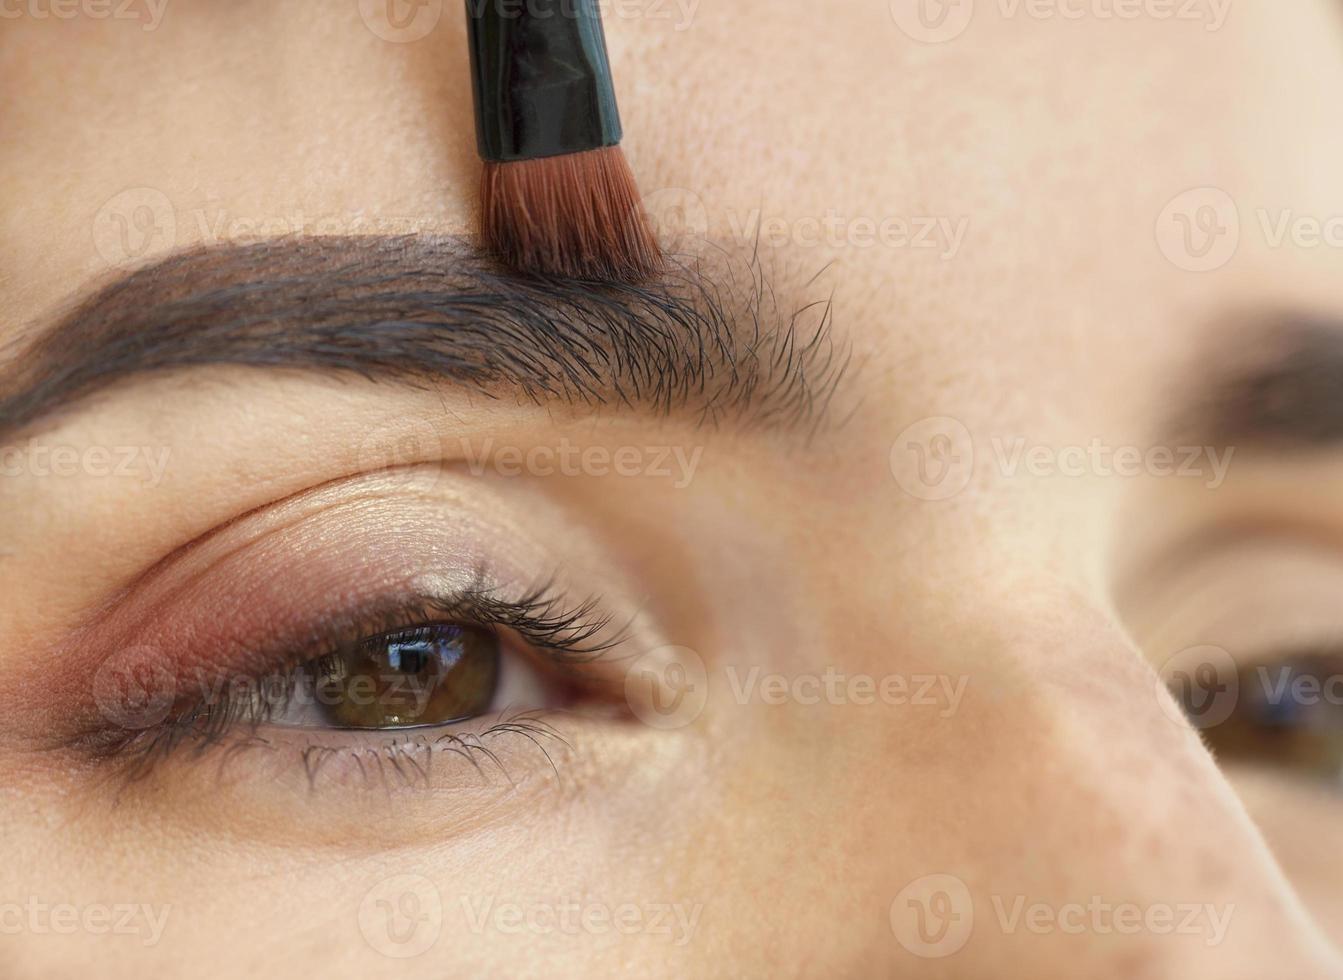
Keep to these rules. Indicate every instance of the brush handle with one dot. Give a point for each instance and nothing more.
(541, 78)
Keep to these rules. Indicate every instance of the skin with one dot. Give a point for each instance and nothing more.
(787, 831)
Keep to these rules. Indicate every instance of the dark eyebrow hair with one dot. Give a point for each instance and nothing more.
(711, 341)
(1285, 392)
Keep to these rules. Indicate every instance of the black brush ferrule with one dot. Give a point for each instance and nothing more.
(541, 78)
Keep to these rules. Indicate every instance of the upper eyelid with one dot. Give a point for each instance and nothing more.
(567, 633)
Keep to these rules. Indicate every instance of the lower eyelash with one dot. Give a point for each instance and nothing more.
(398, 759)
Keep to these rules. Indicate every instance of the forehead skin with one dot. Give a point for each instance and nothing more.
(1056, 145)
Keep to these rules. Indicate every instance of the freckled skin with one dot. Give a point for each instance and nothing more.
(787, 831)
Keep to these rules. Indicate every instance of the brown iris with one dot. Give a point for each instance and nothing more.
(429, 675)
(1287, 714)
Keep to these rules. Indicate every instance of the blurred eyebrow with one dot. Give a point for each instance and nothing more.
(711, 341)
(1286, 394)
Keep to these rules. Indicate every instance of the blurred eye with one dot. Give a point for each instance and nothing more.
(1287, 714)
(427, 675)
(1247, 630)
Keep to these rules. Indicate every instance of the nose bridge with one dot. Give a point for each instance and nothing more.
(1070, 822)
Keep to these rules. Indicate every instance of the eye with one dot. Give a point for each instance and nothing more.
(1246, 628)
(432, 664)
(426, 675)
(1286, 714)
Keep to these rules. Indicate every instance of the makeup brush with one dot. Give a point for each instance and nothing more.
(557, 195)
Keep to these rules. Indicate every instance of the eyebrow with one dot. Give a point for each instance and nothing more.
(712, 340)
(1285, 394)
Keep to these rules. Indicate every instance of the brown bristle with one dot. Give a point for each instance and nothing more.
(577, 216)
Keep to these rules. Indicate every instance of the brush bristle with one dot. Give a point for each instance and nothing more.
(577, 216)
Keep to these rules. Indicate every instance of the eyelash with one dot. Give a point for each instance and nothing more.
(569, 635)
